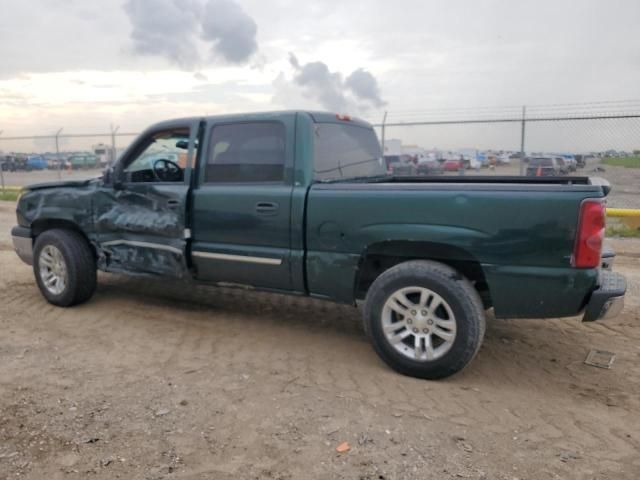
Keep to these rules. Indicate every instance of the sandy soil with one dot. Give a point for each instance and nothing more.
(155, 380)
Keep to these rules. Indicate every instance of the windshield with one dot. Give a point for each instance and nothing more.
(346, 151)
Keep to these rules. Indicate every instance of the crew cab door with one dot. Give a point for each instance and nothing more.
(140, 216)
(242, 202)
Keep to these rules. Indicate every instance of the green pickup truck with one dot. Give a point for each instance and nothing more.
(301, 203)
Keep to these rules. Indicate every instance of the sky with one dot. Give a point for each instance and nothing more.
(84, 65)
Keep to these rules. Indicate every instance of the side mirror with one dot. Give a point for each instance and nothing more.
(107, 176)
(183, 144)
(113, 177)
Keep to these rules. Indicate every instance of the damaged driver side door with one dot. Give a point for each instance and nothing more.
(141, 215)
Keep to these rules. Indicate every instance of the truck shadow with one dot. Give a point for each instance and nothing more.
(288, 309)
(516, 354)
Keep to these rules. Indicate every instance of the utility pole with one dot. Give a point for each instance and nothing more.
(384, 122)
(58, 153)
(112, 160)
(524, 114)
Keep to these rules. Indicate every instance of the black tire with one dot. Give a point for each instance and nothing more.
(80, 266)
(456, 290)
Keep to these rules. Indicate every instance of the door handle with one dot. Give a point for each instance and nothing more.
(173, 203)
(267, 208)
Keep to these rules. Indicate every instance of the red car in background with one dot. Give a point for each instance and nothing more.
(452, 165)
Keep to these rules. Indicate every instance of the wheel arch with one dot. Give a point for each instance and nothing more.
(381, 256)
(41, 225)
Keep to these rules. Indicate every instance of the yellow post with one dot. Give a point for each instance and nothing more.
(629, 216)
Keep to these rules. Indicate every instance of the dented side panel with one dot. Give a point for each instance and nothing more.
(141, 229)
(138, 228)
(66, 203)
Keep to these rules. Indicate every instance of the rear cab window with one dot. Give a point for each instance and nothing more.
(346, 150)
(246, 152)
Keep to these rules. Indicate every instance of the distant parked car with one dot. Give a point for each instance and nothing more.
(429, 166)
(482, 158)
(35, 162)
(58, 164)
(583, 160)
(12, 163)
(452, 165)
(8, 163)
(504, 159)
(570, 161)
(400, 165)
(492, 159)
(83, 161)
(471, 163)
(563, 164)
(544, 167)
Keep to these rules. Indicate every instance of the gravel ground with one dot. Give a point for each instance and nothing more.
(157, 380)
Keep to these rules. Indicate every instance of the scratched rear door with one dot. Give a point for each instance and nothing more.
(141, 219)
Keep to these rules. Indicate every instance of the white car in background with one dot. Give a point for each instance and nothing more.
(504, 159)
(472, 162)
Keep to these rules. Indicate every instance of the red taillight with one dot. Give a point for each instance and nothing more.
(590, 234)
(344, 118)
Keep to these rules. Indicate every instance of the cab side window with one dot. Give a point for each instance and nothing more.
(246, 152)
(161, 158)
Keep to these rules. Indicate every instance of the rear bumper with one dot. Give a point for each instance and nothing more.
(23, 243)
(608, 255)
(607, 301)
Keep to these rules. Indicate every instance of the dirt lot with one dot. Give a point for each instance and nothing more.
(153, 380)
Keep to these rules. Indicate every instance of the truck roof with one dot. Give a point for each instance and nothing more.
(316, 116)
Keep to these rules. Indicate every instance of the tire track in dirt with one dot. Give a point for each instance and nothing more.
(269, 380)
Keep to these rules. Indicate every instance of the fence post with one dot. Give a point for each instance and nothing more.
(58, 154)
(2, 170)
(384, 123)
(524, 113)
(112, 160)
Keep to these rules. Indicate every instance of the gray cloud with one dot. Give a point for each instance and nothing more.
(231, 29)
(359, 91)
(171, 29)
(365, 86)
(165, 28)
(319, 82)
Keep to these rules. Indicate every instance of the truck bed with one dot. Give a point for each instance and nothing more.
(582, 184)
(519, 231)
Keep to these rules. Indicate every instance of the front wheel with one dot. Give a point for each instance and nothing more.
(64, 267)
(425, 320)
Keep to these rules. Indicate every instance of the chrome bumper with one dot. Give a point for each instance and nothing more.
(23, 244)
(607, 301)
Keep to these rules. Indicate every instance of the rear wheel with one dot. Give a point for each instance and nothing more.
(64, 267)
(425, 319)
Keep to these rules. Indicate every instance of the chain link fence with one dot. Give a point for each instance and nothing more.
(26, 159)
(596, 139)
(593, 139)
